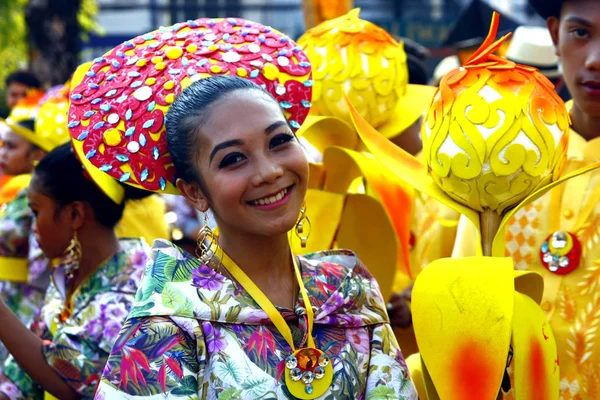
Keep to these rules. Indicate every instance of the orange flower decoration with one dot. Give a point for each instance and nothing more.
(496, 131)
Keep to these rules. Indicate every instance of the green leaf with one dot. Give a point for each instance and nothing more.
(180, 270)
(177, 301)
(382, 393)
(187, 387)
(255, 386)
(233, 314)
(155, 279)
(141, 310)
(230, 394)
(213, 310)
(172, 297)
(228, 369)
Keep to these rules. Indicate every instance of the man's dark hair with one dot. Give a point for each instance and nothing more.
(547, 8)
(24, 77)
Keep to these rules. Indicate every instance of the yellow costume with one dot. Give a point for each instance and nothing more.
(571, 301)
(144, 218)
(495, 140)
(354, 202)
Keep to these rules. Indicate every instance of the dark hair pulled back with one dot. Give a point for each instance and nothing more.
(60, 176)
(189, 112)
(25, 78)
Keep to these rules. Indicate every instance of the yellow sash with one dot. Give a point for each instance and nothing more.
(14, 269)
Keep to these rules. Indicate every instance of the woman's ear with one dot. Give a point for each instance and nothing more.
(35, 155)
(193, 194)
(75, 214)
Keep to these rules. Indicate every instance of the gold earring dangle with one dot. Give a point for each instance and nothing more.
(303, 227)
(73, 255)
(207, 243)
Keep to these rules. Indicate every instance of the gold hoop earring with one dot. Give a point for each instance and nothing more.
(207, 243)
(73, 255)
(303, 227)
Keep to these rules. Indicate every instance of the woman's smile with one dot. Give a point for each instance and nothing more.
(273, 201)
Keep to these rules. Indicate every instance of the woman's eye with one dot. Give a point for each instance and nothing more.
(280, 139)
(231, 159)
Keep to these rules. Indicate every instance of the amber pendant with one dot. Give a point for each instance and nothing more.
(561, 252)
(308, 373)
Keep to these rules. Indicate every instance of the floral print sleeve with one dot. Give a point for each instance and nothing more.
(15, 225)
(77, 348)
(155, 357)
(388, 376)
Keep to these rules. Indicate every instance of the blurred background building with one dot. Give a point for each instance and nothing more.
(425, 21)
(51, 36)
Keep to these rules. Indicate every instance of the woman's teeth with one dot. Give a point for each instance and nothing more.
(270, 199)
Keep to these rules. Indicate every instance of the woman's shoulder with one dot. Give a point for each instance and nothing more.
(166, 287)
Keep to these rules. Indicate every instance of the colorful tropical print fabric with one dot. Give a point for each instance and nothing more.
(78, 348)
(17, 241)
(195, 334)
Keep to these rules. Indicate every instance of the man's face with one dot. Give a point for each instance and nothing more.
(15, 92)
(577, 39)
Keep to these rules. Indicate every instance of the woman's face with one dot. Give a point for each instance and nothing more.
(252, 167)
(16, 153)
(51, 227)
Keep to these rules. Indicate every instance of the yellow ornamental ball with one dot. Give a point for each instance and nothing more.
(496, 131)
(353, 56)
(51, 122)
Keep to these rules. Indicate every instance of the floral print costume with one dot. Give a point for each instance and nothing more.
(78, 348)
(18, 243)
(195, 334)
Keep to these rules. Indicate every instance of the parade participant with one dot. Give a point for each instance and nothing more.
(18, 84)
(23, 272)
(557, 235)
(496, 139)
(95, 276)
(246, 318)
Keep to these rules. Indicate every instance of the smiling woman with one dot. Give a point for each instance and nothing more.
(245, 318)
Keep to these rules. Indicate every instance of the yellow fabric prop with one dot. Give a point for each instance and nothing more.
(485, 311)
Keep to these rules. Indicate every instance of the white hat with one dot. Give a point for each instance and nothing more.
(446, 65)
(532, 45)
